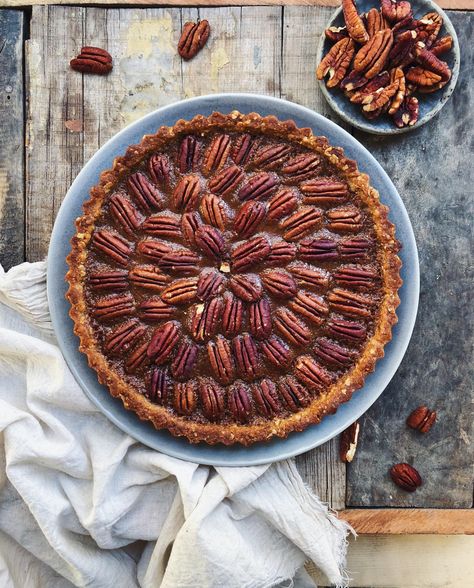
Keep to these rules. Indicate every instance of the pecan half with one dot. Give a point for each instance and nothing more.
(159, 386)
(190, 223)
(422, 77)
(270, 156)
(246, 356)
(184, 361)
(375, 84)
(407, 113)
(113, 307)
(148, 278)
(225, 181)
(124, 213)
(249, 253)
(442, 45)
(397, 75)
(311, 373)
(347, 302)
(335, 34)
(336, 62)
(381, 98)
(266, 398)
(276, 352)
(243, 149)
(188, 154)
(405, 476)
(92, 60)
(250, 216)
(347, 329)
(138, 359)
(112, 280)
(344, 219)
(212, 399)
(293, 394)
(231, 315)
(180, 291)
(112, 245)
(310, 306)
(352, 81)
(402, 51)
(428, 60)
(258, 187)
(220, 359)
(356, 277)
(348, 443)
(184, 401)
(281, 204)
(163, 342)
(181, 261)
(428, 27)
(205, 318)
(332, 354)
(213, 211)
(372, 57)
(375, 22)
(279, 284)
(209, 284)
(247, 287)
(395, 10)
(186, 194)
(193, 38)
(159, 169)
(356, 248)
(210, 241)
(154, 309)
(260, 320)
(216, 154)
(123, 337)
(422, 419)
(301, 167)
(298, 224)
(312, 277)
(294, 331)
(318, 250)
(145, 194)
(163, 225)
(354, 23)
(324, 191)
(281, 253)
(239, 403)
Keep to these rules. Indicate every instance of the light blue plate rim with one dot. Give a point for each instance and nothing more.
(236, 455)
(429, 104)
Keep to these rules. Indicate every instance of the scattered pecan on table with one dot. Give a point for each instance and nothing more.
(421, 419)
(382, 58)
(193, 38)
(405, 476)
(92, 60)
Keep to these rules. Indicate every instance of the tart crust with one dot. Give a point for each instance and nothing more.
(323, 404)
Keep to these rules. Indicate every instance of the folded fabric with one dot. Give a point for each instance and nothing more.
(84, 504)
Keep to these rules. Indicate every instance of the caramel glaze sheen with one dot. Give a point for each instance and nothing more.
(209, 317)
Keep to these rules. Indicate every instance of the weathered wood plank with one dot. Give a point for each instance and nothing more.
(321, 468)
(11, 139)
(410, 521)
(447, 4)
(432, 169)
(413, 561)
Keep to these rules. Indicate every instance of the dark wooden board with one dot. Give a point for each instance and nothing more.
(11, 139)
(433, 171)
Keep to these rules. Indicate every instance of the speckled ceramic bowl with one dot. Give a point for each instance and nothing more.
(430, 104)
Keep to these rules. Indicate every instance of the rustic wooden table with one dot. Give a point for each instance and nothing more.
(53, 119)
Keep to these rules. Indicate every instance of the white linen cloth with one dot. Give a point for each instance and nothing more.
(76, 493)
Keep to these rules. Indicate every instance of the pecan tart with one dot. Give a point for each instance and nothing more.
(233, 278)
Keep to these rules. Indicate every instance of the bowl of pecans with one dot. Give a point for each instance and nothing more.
(388, 66)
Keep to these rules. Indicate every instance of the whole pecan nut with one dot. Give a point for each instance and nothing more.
(181, 261)
(336, 62)
(332, 354)
(186, 194)
(123, 337)
(190, 223)
(375, 22)
(293, 394)
(250, 216)
(294, 331)
(281, 252)
(249, 253)
(210, 241)
(210, 284)
(112, 280)
(298, 224)
(347, 218)
(258, 187)
(405, 476)
(163, 225)
(239, 403)
(395, 10)
(216, 154)
(281, 204)
(158, 388)
(124, 213)
(318, 250)
(422, 419)
(154, 250)
(324, 191)
(348, 302)
(271, 156)
(92, 60)
(193, 38)
(159, 168)
(312, 277)
(225, 181)
(300, 167)
(149, 278)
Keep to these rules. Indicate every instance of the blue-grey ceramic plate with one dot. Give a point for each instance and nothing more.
(430, 104)
(259, 453)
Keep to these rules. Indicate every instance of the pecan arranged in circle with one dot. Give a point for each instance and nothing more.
(163, 342)
(116, 248)
(193, 38)
(212, 398)
(92, 60)
(184, 398)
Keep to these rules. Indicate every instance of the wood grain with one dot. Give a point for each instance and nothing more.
(447, 4)
(11, 139)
